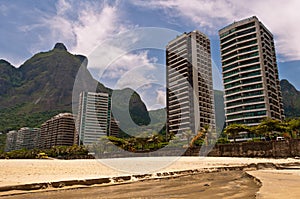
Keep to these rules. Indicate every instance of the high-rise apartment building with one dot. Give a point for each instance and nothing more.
(190, 98)
(93, 121)
(250, 73)
(58, 131)
(113, 127)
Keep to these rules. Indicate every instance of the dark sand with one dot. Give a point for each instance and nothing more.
(225, 184)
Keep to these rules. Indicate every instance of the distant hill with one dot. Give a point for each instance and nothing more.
(219, 109)
(291, 99)
(43, 86)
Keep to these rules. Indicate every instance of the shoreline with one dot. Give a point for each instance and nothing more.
(29, 176)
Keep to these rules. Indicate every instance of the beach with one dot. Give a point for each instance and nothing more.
(278, 183)
(230, 184)
(217, 171)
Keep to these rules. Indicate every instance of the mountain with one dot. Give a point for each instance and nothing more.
(290, 98)
(43, 84)
(219, 109)
(9, 78)
(43, 87)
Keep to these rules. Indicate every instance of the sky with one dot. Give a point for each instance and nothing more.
(32, 26)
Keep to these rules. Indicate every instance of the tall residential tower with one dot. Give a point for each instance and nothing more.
(190, 99)
(250, 73)
(93, 117)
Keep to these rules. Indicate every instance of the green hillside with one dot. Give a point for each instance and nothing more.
(42, 87)
(290, 98)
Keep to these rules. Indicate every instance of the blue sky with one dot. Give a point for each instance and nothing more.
(31, 26)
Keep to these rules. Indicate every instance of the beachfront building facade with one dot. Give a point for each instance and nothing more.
(58, 131)
(113, 127)
(24, 138)
(11, 138)
(93, 120)
(190, 98)
(27, 138)
(250, 73)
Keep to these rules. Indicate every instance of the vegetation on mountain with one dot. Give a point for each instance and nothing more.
(10, 78)
(290, 98)
(128, 109)
(13, 118)
(2, 142)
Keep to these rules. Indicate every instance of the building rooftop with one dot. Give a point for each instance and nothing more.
(186, 34)
(253, 18)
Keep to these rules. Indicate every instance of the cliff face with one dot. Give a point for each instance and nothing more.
(43, 86)
(290, 98)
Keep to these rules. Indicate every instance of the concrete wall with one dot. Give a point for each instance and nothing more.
(269, 149)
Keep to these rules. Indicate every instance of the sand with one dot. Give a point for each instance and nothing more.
(225, 185)
(16, 172)
(278, 184)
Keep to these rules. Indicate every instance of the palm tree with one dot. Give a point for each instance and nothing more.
(234, 129)
(155, 139)
(202, 133)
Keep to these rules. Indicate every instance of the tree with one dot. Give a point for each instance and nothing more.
(155, 138)
(270, 126)
(294, 127)
(234, 129)
(202, 133)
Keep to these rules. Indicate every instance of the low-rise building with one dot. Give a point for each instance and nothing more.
(11, 138)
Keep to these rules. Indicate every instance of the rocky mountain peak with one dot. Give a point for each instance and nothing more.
(60, 46)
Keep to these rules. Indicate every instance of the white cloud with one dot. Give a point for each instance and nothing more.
(82, 26)
(128, 62)
(161, 98)
(90, 28)
(62, 7)
(137, 76)
(280, 16)
(94, 27)
(282, 19)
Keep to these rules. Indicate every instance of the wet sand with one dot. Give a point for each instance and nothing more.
(226, 184)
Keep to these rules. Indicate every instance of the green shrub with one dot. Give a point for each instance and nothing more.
(223, 141)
